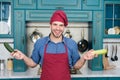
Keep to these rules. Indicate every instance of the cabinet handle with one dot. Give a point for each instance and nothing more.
(84, 2)
(23, 40)
(94, 40)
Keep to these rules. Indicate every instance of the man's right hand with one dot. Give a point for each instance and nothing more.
(18, 54)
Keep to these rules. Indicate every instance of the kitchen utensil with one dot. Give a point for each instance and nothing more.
(4, 27)
(112, 53)
(101, 51)
(106, 47)
(82, 44)
(39, 71)
(106, 64)
(35, 35)
(116, 57)
(73, 71)
(67, 34)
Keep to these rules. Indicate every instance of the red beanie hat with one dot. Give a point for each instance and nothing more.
(59, 15)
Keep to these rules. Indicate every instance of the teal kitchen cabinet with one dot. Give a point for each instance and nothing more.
(21, 16)
(112, 19)
(59, 4)
(97, 78)
(19, 39)
(6, 27)
(103, 78)
(22, 79)
(79, 16)
(97, 40)
(114, 78)
(44, 15)
(18, 79)
(79, 78)
(92, 5)
(25, 4)
(36, 79)
(71, 79)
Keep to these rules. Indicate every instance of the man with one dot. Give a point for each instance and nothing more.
(56, 53)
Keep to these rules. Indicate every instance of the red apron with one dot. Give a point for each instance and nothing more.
(55, 66)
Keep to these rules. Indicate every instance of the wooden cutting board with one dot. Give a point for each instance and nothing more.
(106, 64)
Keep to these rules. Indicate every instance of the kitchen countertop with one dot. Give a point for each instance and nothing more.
(85, 72)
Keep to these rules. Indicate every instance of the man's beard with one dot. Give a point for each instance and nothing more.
(57, 36)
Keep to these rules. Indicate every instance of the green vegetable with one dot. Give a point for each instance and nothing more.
(102, 51)
(8, 47)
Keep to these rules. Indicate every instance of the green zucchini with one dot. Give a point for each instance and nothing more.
(8, 47)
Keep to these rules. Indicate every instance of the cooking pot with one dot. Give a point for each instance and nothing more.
(82, 44)
(67, 34)
(35, 35)
(73, 71)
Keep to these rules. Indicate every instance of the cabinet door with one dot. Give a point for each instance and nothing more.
(112, 19)
(93, 5)
(44, 15)
(114, 78)
(36, 78)
(24, 4)
(79, 78)
(98, 78)
(71, 79)
(97, 40)
(6, 27)
(59, 4)
(22, 79)
(19, 39)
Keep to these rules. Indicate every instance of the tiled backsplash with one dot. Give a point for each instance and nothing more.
(75, 29)
(4, 54)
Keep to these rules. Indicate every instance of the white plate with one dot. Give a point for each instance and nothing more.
(111, 31)
(4, 28)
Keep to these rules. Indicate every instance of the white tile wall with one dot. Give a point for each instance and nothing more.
(75, 29)
(4, 54)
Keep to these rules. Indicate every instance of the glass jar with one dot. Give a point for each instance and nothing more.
(2, 64)
(9, 64)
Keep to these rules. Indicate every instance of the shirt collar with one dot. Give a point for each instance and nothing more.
(48, 39)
